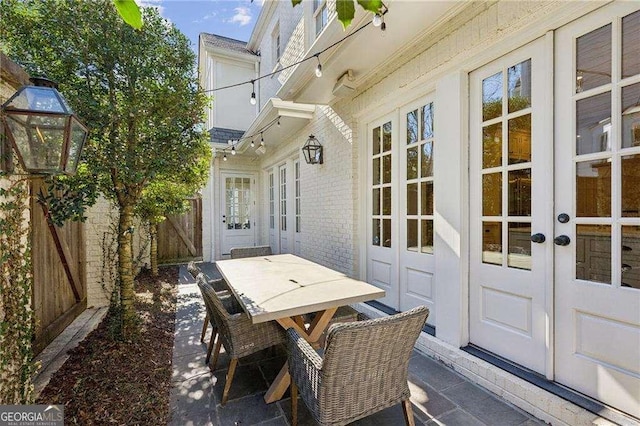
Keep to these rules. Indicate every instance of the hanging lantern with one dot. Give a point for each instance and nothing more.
(312, 151)
(46, 135)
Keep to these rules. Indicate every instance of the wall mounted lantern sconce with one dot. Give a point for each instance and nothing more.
(312, 151)
(44, 131)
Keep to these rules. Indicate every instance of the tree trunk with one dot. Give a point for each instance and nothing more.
(153, 251)
(125, 271)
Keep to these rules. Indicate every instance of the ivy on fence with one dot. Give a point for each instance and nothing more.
(16, 315)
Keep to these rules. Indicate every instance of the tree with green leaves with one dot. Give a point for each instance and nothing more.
(164, 197)
(135, 89)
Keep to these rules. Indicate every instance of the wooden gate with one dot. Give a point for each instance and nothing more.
(180, 237)
(59, 284)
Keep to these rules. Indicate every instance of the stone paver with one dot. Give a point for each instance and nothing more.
(440, 396)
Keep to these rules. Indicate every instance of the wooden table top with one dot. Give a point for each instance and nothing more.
(284, 285)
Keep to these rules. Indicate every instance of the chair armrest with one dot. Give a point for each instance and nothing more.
(305, 367)
(230, 303)
(299, 348)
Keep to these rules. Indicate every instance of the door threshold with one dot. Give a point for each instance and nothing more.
(563, 392)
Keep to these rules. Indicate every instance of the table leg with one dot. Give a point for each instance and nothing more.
(279, 385)
(317, 327)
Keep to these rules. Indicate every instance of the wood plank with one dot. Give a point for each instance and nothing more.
(52, 296)
(183, 236)
(65, 255)
(52, 330)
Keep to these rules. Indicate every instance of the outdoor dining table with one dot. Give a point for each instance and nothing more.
(283, 288)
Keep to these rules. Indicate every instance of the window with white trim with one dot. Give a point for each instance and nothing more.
(320, 15)
(275, 43)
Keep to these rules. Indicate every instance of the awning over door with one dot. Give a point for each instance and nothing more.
(292, 117)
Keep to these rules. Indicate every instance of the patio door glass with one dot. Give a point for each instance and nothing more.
(510, 206)
(382, 246)
(237, 227)
(597, 156)
(416, 256)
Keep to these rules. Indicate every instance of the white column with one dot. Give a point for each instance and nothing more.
(451, 208)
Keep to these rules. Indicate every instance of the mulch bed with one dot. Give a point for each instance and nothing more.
(109, 382)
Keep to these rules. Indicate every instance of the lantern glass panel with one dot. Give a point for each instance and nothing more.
(38, 139)
(40, 99)
(76, 141)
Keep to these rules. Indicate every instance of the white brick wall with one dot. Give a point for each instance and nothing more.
(291, 24)
(100, 247)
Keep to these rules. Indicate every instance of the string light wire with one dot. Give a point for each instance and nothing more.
(253, 81)
(310, 57)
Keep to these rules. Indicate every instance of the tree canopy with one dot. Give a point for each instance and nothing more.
(136, 90)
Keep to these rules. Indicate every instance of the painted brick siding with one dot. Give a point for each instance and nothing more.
(330, 192)
(475, 29)
(102, 217)
(291, 25)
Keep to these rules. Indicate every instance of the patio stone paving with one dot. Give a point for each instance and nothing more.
(197, 390)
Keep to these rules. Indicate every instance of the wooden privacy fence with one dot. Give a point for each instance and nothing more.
(180, 237)
(59, 283)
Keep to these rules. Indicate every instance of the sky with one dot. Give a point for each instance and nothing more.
(229, 18)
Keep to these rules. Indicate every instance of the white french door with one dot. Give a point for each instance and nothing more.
(382, 265)
(416, 207)
(238, 221)
(272, 190)
(597, 206)
(510, 205)
(283, 222)
(297, 247)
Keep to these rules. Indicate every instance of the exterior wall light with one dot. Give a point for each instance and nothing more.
(312, 151)
(44, 131)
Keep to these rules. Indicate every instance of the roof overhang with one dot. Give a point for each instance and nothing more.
(366, 53)
(293, 117)
(227, 53)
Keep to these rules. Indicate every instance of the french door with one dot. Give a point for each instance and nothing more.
(597, 206)
(510, 205)
(416, 263)
(283, 222)
(238, 221)
(400, 210)
(382, 263)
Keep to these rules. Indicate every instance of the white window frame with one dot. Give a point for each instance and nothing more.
(275, 43)
(320, 9)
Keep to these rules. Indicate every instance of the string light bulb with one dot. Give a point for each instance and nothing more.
(261, 140)
(233, 150)
(252, 143)
(278, 121)
(377, 20)
(253, 92)
(319, 67)
(224, 157)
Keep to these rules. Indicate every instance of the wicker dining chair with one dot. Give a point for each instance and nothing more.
(364, 369)
(236, 332)
(240, 252)
(210, 312)
(219, 284)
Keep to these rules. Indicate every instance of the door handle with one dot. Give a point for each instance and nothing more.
(562, 240)
(538, 238)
